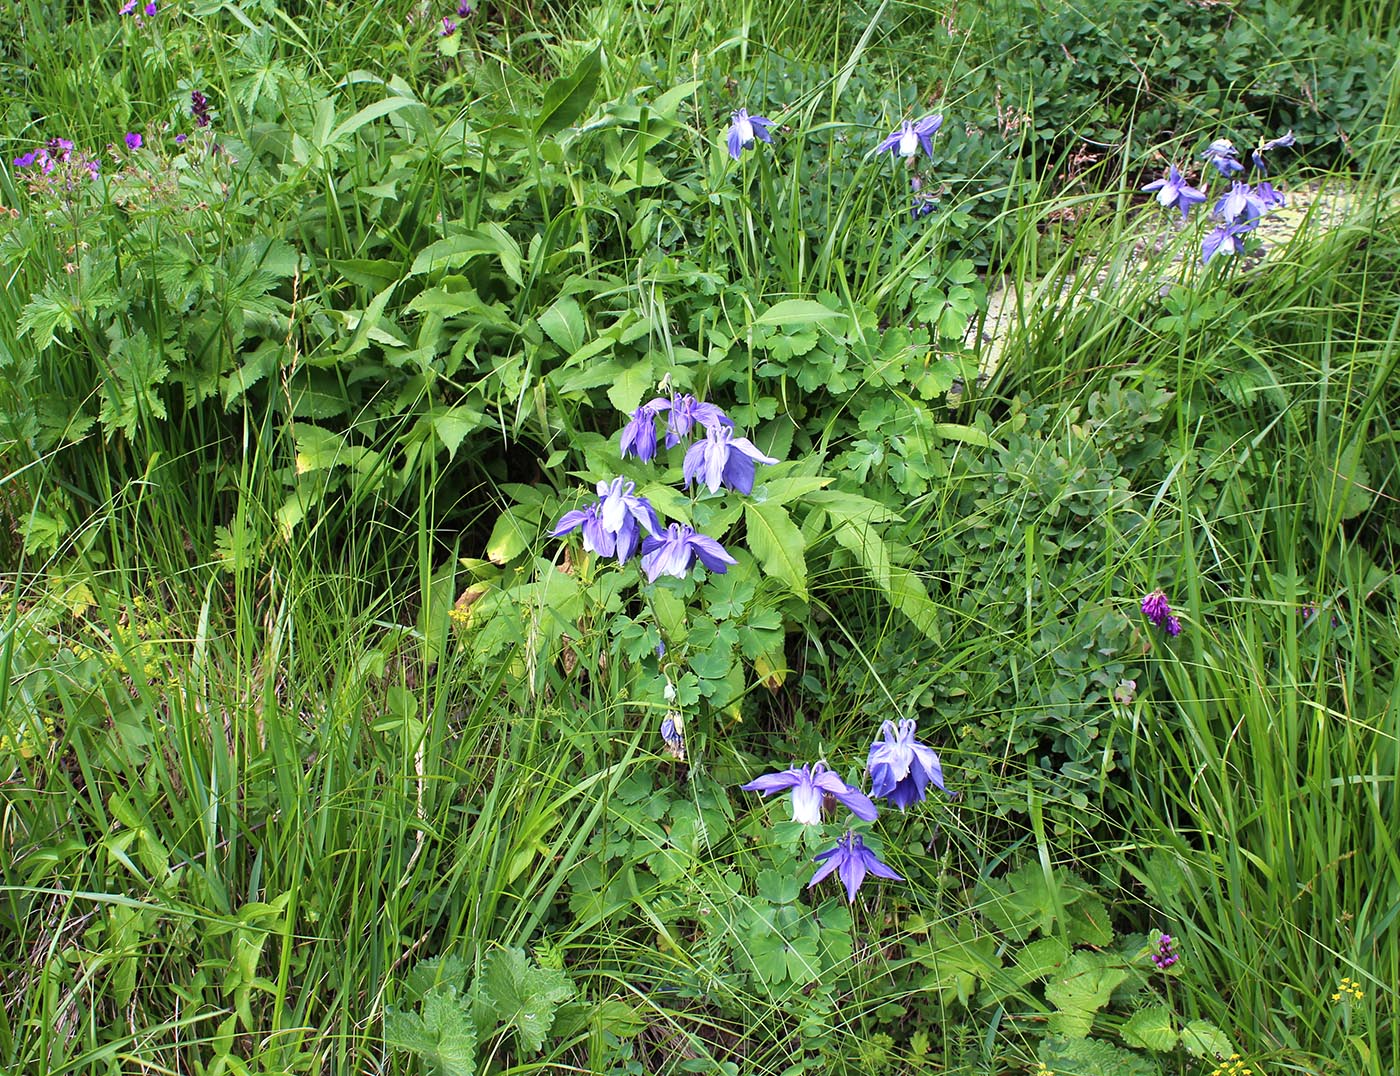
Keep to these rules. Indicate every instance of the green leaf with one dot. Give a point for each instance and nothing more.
(369, 114)
(791, 314)
(452, 424)
(1151, 1029)
(457, 250)
(1093, 1057)
(563, 323)
(631, 383)
(568, 97)
(775, 540)
(1201, 1038)
(515, 529)
(318, 449)
(523, 996)
(441, 1033)
(1080, 989)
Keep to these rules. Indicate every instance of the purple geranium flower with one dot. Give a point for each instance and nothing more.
(133, 140)
(912, 136)
(722, 458)
(24, 160)
(852, 861)
(686, 411)
(1227, 239)
(1173, 190)
(150, 10)
(809, 784)
(901, 768)
(743, 129)
(639, 435)
(675, 550)
(613, 523)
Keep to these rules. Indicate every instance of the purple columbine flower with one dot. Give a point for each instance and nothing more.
(686, 411)
(1240, 205)
(133, 140)
(1156, 608)
(1166, 954)
(901, 768)
(639, 435)
(613, 523)
(673, 734)
(1224, 239)
(1269, 196)
(912, 136)
(743, 129)
(1173, 190)
(723, 459)
(852, 861)
(1223, 154)
(809, 785)
(675, 550)
(199, 108)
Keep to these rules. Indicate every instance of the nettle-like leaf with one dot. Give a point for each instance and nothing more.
(1201, 1038)
(1152, 1028)
(522, 996)
(130, 390)
(1094, 1057)
(440, 1033)
(1080, 989)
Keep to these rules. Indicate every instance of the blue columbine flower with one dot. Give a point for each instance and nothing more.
(686, 411)
(743, 129)
(613, 523)
(852, 861)
(675, 550)
(901, 768)
(1223, 154)
(1272, 198)
(1240, 205)
(673, 734)
(639, 435)
(912, 136)
(1224, 239)
(1173, 190)
(809, 784)
(722, 458)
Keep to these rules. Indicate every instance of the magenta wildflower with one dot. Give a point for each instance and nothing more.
(1166, 954)
(133, 140)
(1156, 608)
(150, 9)
(448, 27)
(199, 108)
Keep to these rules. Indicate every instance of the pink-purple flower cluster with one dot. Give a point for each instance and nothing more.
(1165, 954)
(1157, 609)
(57, 164)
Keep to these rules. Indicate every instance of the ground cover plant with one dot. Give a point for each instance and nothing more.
(727, 538)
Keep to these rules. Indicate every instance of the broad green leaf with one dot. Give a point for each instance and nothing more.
(633, 381)
(568, 97)
(457, 250)
(523, 996)
(1151, 1029)
(563, 323)
(791, 314)
(452, 424)
(515, 529)
(775, 540)
(783, 490)
(1080, 988)
(441, 1033)
(318, 449)
(1201, 1038)
(369, 114)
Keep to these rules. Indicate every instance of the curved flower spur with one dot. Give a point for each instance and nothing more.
(810, 784)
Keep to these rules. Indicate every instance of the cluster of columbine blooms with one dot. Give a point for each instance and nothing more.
(901, 769)
(905, 141)
(613, 524)
(1156, 608)
(449, 25)
(1238, 211)
(1165, 954)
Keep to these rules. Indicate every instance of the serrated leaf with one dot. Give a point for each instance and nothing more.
(1080, 989)
(1093, 1057)
(564, 324)
(435, 972)
(523, 996)
(1201, 1038)
(318, 449)
(568, 97)
(775, 540)
(630, 384)
(1151, 1029)
(441, 1033)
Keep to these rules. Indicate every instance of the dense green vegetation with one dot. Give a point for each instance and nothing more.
(321, 750)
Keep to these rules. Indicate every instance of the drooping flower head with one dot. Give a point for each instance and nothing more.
(1257, 155)
(613, 523)
(675, 550)
(1156, 608)
(743, 129)
(1173, 190)
(911, 136)
(901, 768)
(686, 411)
(639, 435)
(810, 784)
(723, 459)
(1224, 239)
(852, 861)
(673, 734)
(1223, 154)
